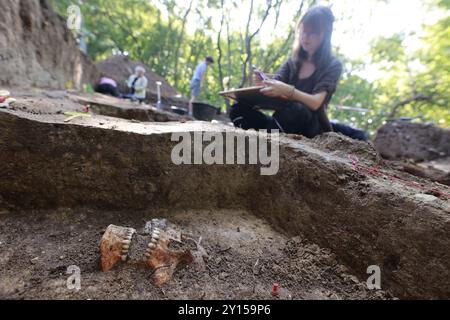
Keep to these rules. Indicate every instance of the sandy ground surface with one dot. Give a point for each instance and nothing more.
(36, 248)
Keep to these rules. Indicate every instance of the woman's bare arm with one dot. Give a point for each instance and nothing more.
(312, 101)
(278, 89)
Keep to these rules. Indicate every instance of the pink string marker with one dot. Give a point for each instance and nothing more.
(275, 292)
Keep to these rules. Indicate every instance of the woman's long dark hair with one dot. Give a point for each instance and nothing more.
(319, 19)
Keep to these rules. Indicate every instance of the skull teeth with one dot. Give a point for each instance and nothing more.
(124, 258)
(152, 245)
(130, 234)
(126, 242)
(148, 254)
(155, 236)
(155, 241)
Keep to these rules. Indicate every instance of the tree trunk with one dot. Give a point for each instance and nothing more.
(247, 68)
(219, 60)
(179, 42)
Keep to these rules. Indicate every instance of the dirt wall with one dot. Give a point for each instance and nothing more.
(37, 49)
(399, 140)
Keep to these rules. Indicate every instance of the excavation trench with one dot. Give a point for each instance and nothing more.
(118, 108)
(310, 227)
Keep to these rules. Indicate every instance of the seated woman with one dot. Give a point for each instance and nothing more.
(305, 83)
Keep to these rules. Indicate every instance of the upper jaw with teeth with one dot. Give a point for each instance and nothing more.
(115, 245)
(156, 235)
(163, 260)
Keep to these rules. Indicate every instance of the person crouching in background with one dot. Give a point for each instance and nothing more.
(107, 86)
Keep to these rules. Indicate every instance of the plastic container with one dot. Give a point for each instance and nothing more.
(204, 112)
(179, 111)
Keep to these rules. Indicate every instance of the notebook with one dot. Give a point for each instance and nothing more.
(253, 96)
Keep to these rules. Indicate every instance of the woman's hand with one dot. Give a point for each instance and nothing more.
(257, 82)
(277, 89)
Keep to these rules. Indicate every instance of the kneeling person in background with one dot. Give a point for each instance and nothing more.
(107, 86)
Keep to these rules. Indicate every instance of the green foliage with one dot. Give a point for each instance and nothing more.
(172, 37)
(154, 33)
(388, 51)
(87, 88)
(355, 91)
(414, 84)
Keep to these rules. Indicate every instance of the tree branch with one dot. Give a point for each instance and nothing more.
(288, 42)
(246, 71)
(179, 41)
(398, 105)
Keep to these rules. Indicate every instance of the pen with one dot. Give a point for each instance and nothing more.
(260, 75)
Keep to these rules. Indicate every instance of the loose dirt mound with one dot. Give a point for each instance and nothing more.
(37, 49)
(420, 142)
(419, 149)
(119, 68)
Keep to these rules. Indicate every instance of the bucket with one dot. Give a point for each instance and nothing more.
(204, 112)
(179, 111)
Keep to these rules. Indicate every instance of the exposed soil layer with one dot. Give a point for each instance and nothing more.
(37, 49)
(437, 170)
(51, 102)
(245, 256)
(318, 193)
(119, 108)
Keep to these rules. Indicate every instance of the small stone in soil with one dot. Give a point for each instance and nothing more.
(223, 275)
